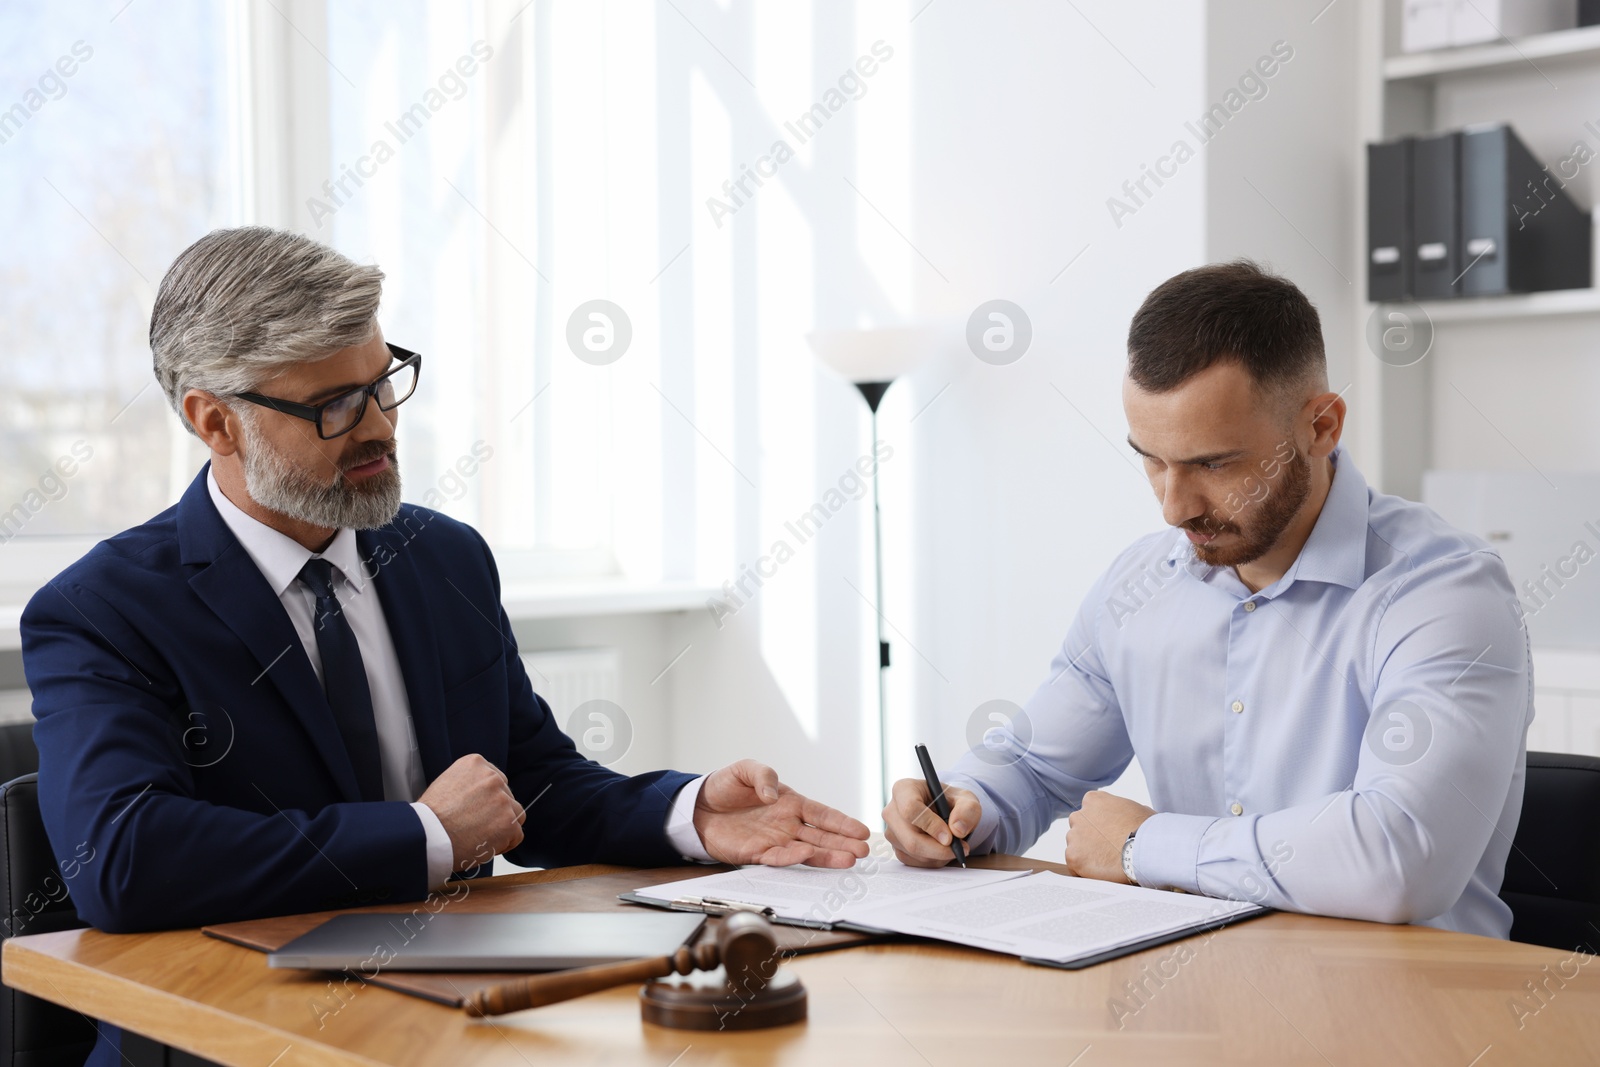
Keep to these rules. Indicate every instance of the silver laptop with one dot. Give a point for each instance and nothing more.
(516, 941)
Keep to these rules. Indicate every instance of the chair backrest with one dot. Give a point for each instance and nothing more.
(34, 1032)
(1553, 873)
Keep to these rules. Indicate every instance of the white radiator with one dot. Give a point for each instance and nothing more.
(569, 677)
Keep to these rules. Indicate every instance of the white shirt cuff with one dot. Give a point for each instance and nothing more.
(441, 853)
(681, 834)
(1166, 850)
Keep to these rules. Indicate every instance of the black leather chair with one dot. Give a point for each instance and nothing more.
(1553, 873)
(34, 1032)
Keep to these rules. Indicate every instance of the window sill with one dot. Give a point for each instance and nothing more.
(569, 599)
(564, 599)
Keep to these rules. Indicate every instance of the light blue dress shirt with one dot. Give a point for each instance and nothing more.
(1348, 741)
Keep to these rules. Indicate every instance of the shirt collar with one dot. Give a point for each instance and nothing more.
(1335, 552)
(278, 556)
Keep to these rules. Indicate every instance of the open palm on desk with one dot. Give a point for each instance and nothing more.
(745, 815)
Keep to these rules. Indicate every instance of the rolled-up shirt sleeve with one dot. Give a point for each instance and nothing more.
(1451, 680)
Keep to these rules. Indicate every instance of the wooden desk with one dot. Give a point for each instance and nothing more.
(1283, 989)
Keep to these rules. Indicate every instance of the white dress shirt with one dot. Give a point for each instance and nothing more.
(280, 559)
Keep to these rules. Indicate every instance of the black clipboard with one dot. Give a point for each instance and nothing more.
(1149, 942)
(709, 908)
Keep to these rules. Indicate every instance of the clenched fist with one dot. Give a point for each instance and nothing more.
(475, 805)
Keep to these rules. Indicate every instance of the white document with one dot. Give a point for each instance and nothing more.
(1051, 917)
(1041, 916)
(819, 895)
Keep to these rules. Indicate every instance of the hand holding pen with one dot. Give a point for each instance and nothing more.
(922, 835)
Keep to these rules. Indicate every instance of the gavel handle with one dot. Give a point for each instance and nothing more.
(541, 989)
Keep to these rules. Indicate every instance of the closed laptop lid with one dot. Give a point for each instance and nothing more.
(518, 941)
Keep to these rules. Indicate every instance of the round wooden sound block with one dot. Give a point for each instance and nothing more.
(703, 1001)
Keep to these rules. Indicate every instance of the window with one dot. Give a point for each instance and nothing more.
(446, 165)
(116, 151)
(540, 182)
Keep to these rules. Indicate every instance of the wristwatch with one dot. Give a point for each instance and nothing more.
(1127, 859)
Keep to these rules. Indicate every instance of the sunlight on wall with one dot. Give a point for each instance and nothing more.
(712, 407)
(639, 254)
(397, 211)
(883, 157)
(883, 173)
(788, 602)
(579, 393)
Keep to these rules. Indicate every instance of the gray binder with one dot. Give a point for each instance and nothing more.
(1520, 231)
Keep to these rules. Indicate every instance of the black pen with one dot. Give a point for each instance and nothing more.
(941, 806)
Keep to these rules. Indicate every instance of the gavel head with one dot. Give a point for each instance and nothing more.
(748, 949)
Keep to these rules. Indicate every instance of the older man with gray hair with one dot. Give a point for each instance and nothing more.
(290, 691)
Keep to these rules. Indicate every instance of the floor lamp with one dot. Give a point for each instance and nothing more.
(871, 360)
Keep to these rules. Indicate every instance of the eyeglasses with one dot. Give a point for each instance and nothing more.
(344, 412)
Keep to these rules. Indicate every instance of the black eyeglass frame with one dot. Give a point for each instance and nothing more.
(314, 412)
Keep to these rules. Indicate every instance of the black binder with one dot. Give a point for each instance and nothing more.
(1520, 231)
(1389, 220)
(1436, 216)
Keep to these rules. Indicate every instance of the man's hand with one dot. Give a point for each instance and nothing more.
(920, 838)
(475, 805)
(745, 815)
(1096, 832)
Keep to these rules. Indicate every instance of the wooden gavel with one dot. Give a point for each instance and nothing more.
(745, 947)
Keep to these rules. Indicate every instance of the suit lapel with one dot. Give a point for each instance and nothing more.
(233, 587)
(391, 564)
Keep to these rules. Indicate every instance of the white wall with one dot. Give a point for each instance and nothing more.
(1002, 502)
(1031, 121)
(1040, 501)
(1282, 175)
(1013, 488)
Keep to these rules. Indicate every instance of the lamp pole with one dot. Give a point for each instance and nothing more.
(873, 392)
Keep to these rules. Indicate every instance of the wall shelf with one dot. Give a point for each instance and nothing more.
(1422, 66)
(1401, 427)
(1516, 306)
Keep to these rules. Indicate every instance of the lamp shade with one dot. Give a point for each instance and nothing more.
(874, 355)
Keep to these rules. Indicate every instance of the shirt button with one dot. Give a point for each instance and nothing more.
(1249, 605)
(1237, 808)
(1238, 706)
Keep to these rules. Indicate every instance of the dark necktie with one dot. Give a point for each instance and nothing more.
(344, 679)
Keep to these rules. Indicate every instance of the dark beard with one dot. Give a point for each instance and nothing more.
(1267, 519)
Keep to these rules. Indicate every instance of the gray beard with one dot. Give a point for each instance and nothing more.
(280, 486)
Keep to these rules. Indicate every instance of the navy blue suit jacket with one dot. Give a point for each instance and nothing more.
(187, 749)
